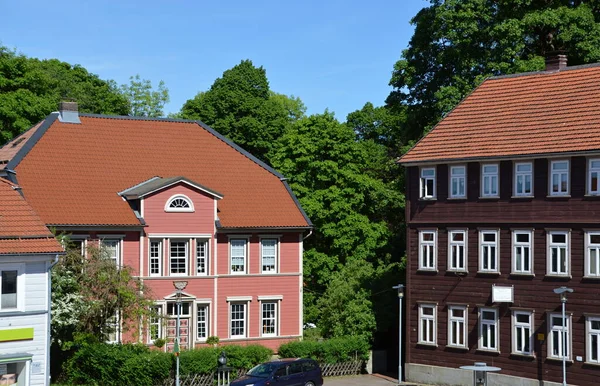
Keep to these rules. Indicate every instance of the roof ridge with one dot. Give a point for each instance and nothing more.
(544, 72)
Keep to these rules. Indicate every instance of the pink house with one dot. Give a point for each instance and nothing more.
(175, 201)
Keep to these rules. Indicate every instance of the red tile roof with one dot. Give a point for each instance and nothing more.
(21, 229)
(74, 172)
(519, 115)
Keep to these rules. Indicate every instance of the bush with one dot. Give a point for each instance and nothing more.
(198, 361)
(335, 350)
(246, 357)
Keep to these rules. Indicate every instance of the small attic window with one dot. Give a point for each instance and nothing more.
(179, 203)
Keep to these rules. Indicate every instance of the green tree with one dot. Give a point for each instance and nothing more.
(241, 106)
(31, 88)
(458, 43)
(143, 101)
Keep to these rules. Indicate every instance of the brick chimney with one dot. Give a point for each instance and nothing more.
(68, 112)
(556, 62)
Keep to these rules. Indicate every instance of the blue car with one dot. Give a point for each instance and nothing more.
(284, 372)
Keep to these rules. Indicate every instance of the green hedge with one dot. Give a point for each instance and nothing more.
(136, 364)
(335, 350)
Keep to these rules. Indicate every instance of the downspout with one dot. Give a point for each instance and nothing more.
(308, 235)
(49, 316)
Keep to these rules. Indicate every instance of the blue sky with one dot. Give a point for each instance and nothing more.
(332, 54)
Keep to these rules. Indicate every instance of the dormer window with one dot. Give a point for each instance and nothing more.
(179, 203)
(524, 179)
(559, 178)
(458, 177)
(428, 183)
(594, 177)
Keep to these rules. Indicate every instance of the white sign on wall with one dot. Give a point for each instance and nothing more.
(503, 294)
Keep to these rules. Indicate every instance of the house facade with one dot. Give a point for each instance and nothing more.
(503, 198)
(176, 202)
(27, 253)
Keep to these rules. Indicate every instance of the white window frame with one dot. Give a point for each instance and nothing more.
(524, 175)
(274, 318)
(425, 337)
(20, 268)
(430, 259)
(118, 242)
(244, 269)
(206, 322)
(456, 323)
(115, 322)
(457, 245)
(519, 330)
(559, 173)
(592, 334)
(520, 269)
(558, 331)
(199, 257)
(186, 257)
(487, 327)
(593, 170)
(156, 323)
(551, 245)
(589, 260)
(244, 319)
(275, 256)
(487, 246)
(183, 197)
(159, 257)
(456, 177)
(423, 179)
(488, 179)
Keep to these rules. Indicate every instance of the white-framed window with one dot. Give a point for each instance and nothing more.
(238, 250)
(428, 250)
(522, 252)
(202, 257)
(155, 258)
(593, 182)
(522, 338)
(458, 181)
(178, 257)
(489, 180)
(523, 179)
(179, 203)
(202, 320)
(268, 318)
(488, 251)
(557, 347)
(238, 319)
(155, 327)
(428, 324)
(12, 289)
(558, 253)
(559, 178)
(268, 255)
(77, 243)
(457, 326)
(112, 250)
(457, 250)
(427, 182)
(592, 254)
(113, 325)
(592, 332)
(488, 329)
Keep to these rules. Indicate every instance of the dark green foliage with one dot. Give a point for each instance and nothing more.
(199, 361)
(246, 357)
(335, 350)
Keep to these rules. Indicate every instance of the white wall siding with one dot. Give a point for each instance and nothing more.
(36, 286)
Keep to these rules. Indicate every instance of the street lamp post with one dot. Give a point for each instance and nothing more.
(562, 292)
(179, 286)
(400, 288)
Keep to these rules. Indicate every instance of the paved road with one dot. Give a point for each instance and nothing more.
(359, 380)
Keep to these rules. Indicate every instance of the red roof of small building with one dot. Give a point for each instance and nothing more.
(520, 115)
(21, 229)
(72, 173)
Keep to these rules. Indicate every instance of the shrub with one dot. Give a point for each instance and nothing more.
(246, 357)
(335, 350)
(198, 361)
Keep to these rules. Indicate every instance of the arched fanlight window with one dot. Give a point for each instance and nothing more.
(179, 203)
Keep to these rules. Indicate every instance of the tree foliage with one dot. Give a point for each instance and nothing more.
(143, 101)
(241, 106)
(458, 43)
(88, 292)
(31, 88)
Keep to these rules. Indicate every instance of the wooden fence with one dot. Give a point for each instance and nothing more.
(344, 368)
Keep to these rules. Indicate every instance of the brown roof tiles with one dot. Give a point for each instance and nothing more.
(520, 115)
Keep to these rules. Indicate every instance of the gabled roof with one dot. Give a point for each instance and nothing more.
(21, 229)
(71, 174)
(155, 184)
(524, 115)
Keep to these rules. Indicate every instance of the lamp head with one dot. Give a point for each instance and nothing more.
(222, 359)
(562, 292)
(400, 288)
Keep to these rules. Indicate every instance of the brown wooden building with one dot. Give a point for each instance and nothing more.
(503, 206)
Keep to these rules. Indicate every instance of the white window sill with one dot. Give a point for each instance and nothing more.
(592, 195)
(427, 344)
(237, 337)
(458, 271)
(559, 359)
(237, 273)
(489, 197)
(461, 198)
(523, 274)
(559, 275)
(529, 196)
(427, 270)
(457, 347)
(496, 273)
(427, 198)
(558, 196)
(523, 355)
(488, 350)
(592, 363)
(592, 277)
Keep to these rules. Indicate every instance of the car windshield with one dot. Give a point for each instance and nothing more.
(263, 370)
